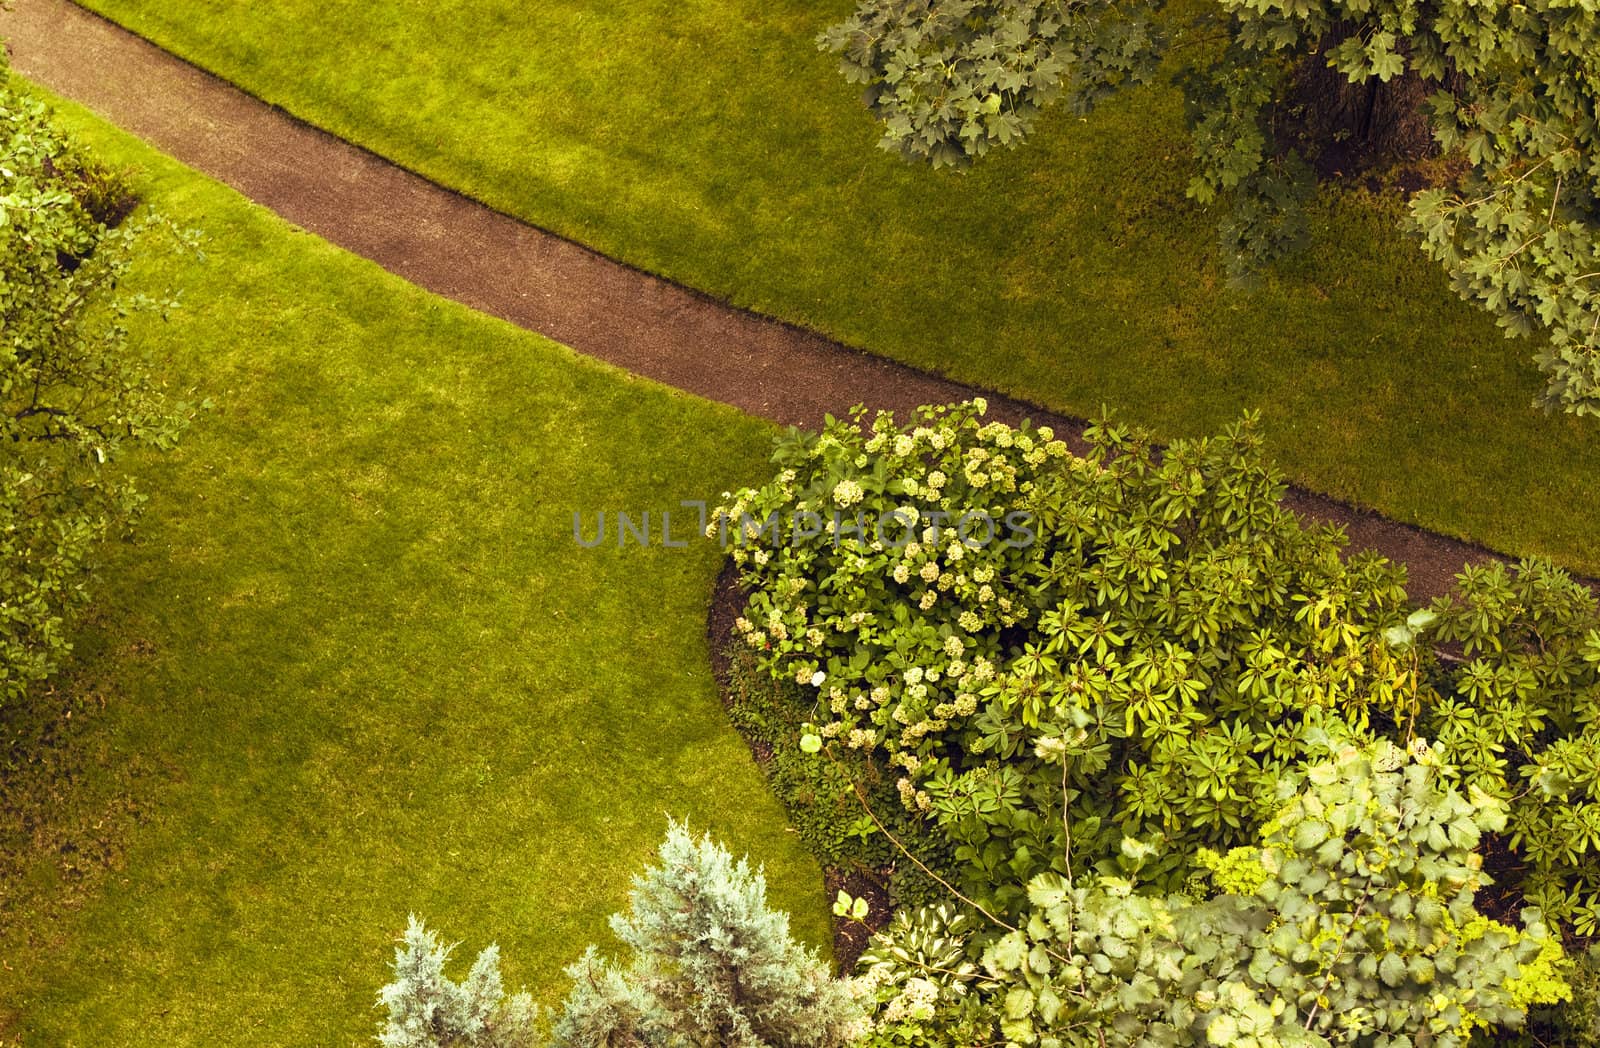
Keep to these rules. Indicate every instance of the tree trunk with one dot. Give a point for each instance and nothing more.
(1347, 129)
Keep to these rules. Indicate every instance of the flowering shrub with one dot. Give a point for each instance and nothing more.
(919, 974)
(1145, 643)
(1141, 649)
(930, 517)
(821, 796)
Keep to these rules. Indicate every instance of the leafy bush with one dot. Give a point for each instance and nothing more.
(1357, 927)
(105, 193)
(1515, 88)
(74, 393)
(428, 1010)
(711, 965)
(820, 797)
(1572, 1024)
(1519, 713)
(1147, 643)
(920, 973)
(1150, 663)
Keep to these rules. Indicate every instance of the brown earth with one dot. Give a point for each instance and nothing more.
(458, 248)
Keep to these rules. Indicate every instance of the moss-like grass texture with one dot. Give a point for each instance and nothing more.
(353, 665)
(710, 141)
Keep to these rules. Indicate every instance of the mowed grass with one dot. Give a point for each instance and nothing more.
(710, 141)
(354, 666)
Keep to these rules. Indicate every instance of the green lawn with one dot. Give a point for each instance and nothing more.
(354, 665)
(708, 140)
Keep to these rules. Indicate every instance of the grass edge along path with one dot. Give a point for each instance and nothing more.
(710, 142)
(353, 664)
(455, 247)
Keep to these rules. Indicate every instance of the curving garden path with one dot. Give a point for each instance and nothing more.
(456, 247)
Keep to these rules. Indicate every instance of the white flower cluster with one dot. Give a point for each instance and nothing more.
(917, 1001)
(861, 738)
(956, 584)
(913, 798)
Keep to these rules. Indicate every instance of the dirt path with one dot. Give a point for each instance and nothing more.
(455, 247)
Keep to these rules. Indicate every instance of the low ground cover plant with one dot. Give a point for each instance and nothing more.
(828, 800)
(1568, 1024)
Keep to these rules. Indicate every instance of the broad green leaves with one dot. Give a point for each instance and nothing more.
(1519, 86)
(74, 393)
(1383, 945)
(1519, 713)
(1134, 683)
(1146, 667)
(850, 907)
(951, 79)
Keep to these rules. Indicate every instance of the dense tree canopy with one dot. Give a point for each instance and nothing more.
(1510, 89)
